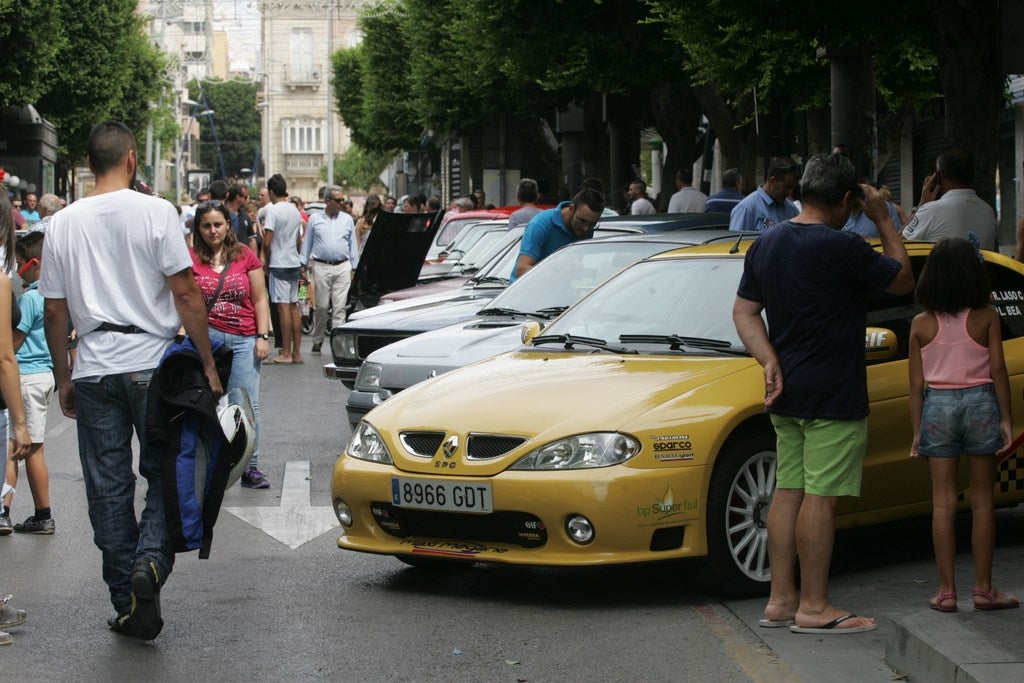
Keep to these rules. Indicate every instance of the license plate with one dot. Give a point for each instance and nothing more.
(452, 496)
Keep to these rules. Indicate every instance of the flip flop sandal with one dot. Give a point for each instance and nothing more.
(832, 627)
(277, 361)
(775, 623)
(1011, 601)
(936, 602)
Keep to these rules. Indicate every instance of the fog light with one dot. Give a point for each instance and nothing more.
(343, 512)
(579, 529)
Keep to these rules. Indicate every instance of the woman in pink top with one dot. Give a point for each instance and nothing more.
(230, 277)
(959, 405)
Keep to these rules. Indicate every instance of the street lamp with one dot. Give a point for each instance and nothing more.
(180, 144)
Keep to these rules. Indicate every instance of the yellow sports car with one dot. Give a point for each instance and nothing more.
(631, 429)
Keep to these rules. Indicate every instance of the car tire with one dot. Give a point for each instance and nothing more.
(434, 564)
(739, 496)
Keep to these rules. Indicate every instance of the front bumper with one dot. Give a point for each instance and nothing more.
(346, 374)
(639, 515)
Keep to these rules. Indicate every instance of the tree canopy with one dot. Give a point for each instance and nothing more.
(237, 122)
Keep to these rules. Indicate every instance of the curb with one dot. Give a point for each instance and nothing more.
(932, 647)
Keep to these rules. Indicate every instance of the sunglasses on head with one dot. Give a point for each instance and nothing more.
(28, 265)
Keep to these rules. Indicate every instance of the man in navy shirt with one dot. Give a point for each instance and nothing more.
(554, 228)
(729, 196)
(813, 280)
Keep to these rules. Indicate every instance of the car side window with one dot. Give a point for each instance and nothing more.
(895, 313)
(1008, 299)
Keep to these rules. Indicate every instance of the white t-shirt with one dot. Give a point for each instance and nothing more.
(641, 207)
(687, 200)
(109, 257)
(286, 222)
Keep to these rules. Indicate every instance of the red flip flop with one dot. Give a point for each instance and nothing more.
(1011, 601)
(936, 602)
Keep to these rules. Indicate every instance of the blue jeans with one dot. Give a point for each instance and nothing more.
(108, 411)
(245, 374)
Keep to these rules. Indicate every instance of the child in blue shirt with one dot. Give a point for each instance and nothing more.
(37, 384)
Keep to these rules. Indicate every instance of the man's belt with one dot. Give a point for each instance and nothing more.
(123, 329)
(330, 263)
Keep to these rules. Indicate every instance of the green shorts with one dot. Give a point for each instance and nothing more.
(822, 457)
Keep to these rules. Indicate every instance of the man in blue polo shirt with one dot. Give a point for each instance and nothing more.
(552, 229)
(769, 204)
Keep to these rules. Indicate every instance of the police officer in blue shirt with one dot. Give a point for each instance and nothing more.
(769, 204)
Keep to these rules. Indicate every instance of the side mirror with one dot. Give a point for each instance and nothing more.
(880, 343)
(530, 330)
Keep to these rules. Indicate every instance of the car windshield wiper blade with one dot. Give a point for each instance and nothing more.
(506, 311)
(677, 342)
(551, 311)
(571, 341)
(489, 278)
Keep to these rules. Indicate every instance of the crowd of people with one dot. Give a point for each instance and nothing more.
(227, 270)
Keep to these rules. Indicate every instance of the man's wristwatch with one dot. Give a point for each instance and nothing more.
(265, 336)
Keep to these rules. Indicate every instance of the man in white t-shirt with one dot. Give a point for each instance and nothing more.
(640, 204)
(282, 234)
(686, 199)
(116, 265)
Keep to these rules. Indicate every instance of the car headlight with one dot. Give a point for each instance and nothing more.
(344, 346)
(366, 444)
(602, 449)
(368, 379)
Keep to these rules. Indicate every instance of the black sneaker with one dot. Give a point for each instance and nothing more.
(316, 349)
(36, 526)
(144, 621)
(5, 525)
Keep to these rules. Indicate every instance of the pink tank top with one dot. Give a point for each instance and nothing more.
(953, 360)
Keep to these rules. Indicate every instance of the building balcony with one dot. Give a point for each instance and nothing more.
(306, 165)
(308, 76)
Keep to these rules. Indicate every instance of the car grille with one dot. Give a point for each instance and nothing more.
(423, 444)
(518, 528)
(484, 446)
(368, 343)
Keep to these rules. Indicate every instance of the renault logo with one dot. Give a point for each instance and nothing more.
(450, 446)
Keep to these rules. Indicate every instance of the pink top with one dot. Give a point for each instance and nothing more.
(953, 360)
(234, 312)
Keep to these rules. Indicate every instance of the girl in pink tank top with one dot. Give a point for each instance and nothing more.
(959, 405)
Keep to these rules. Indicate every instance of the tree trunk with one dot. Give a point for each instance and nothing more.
(972, 84)
(676, 115)
(738, 142)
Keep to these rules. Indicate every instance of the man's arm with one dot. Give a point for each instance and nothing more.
(191, 307)
(268, 237)
(523, 264)
(55, 325)
(746, 315)
(876, 209)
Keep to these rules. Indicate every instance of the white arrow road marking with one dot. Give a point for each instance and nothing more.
(294, 521)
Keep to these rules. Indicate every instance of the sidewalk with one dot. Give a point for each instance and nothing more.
(888, 572)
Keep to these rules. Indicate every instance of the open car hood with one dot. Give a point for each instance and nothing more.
(394, 253)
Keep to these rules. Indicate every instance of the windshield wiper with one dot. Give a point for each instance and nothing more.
(571, 341)
(551, 311)
(507, 311)
(489, 278)
(677, 342)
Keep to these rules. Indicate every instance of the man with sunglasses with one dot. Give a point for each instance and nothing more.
(552, 229)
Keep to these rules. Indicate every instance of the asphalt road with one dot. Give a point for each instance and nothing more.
(259, 609)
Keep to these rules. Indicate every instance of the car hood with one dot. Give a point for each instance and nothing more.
(393, 254)
(428, 300)
(545, 396)
(453, 346)
(419, 318)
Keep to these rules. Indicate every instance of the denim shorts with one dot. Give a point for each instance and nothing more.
(960, 422)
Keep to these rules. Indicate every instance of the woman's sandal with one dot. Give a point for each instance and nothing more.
(936, 602)
(1011, 601)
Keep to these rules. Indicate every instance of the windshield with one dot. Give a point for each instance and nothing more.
(481, 251)
(670, 299)
(571, 273)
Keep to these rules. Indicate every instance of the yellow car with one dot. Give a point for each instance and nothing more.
(631, 430)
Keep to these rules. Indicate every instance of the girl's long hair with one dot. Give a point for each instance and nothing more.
(954, 278)
(8, 237)
(232, 249)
